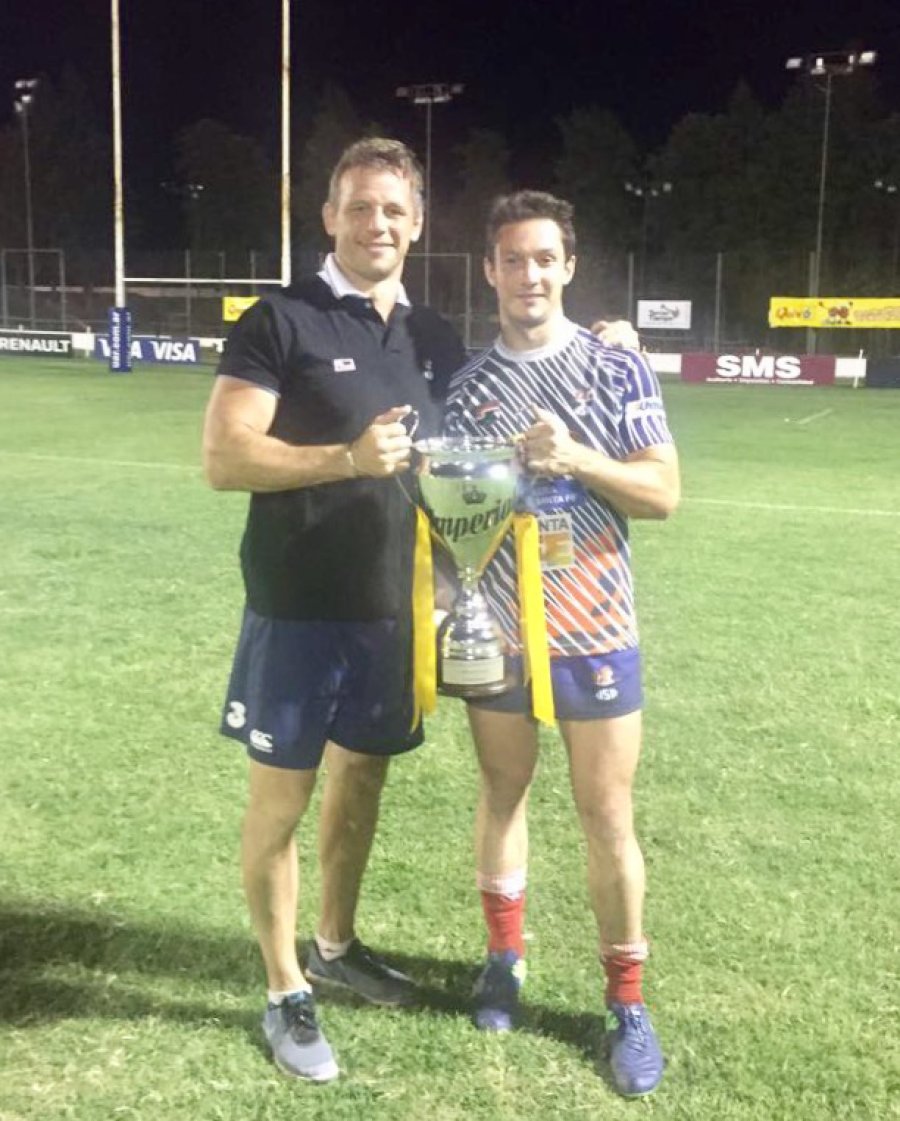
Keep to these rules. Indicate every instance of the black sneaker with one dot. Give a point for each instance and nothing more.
(298, 1047)
(362, 972)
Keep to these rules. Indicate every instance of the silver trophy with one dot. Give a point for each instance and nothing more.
(467, 486)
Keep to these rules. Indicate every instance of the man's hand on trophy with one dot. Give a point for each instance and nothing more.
(547, 447)
(385, 446)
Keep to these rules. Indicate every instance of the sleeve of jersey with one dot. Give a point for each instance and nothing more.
(643, 422)
(256, 348)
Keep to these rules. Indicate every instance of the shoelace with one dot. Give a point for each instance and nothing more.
(301, 1014)
(365, 956)
(634, 1021)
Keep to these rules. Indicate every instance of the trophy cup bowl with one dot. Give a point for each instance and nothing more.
(467, 486)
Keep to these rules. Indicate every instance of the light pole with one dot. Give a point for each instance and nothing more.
(645, 190)
(827, 65)
(429, 94)
(891, 190)
(25, 88)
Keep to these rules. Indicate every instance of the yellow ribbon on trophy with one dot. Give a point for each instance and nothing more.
(533, 623)
(424, 630)
(532, 617)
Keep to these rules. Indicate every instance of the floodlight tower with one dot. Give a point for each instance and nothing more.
(25, 88)
(429, 94)
(827, 65)
(646, 190)
(890, 189)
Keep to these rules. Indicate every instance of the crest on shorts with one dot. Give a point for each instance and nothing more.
(604, 677)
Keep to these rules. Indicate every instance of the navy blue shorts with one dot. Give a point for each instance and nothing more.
(295, 685)
(588, 687)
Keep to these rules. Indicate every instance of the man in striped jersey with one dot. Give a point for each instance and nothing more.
(598, 450)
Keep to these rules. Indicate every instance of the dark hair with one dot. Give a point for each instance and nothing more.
(525, 205)
(382, 154)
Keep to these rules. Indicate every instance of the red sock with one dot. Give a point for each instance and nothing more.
(505, 918)
(623, 979)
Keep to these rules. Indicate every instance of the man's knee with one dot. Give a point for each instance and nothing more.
(504, 786)
(608, 822)
(277, 799)
(355, 772)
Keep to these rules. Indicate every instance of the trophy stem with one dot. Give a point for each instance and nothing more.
(472, 650)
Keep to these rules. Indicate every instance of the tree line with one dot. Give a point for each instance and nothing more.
(742, 181)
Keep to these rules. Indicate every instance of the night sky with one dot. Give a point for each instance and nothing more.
(523, 62)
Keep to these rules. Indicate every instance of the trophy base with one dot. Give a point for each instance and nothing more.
(471, 659)
(473, 677)
(473, 692)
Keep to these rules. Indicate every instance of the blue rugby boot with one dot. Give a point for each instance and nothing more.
(496, 992)
(298, 1046)
(634, 1052)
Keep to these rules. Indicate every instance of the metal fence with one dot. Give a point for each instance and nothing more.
(180, 293)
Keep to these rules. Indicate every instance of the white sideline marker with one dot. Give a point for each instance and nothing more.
(787, 507)
(814, 416)
(95, 462)
(195, 469)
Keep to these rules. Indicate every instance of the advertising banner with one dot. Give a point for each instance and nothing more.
(233, 307)
(36, 344)
(758, 369)
(667, 315)
(118, 349)
(150, 348)
(834, 311)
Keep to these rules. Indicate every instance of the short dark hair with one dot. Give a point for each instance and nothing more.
(382, 154)
(521, 206)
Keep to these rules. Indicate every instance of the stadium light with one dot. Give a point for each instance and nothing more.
(429, 94)
(646, 190)
(827, 65)
(25, 89)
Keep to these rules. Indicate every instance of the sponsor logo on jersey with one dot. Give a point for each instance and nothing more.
(646, 405)
(488, 411)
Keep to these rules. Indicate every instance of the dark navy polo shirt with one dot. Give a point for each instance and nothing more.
(342, 550)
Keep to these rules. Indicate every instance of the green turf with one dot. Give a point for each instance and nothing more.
(767, 799)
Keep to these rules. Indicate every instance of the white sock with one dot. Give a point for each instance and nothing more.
(277, 997)
(330, 951)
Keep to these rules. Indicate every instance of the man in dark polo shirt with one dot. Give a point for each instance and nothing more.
(311, 412)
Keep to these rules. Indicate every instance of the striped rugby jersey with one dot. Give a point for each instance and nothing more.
(609, 399)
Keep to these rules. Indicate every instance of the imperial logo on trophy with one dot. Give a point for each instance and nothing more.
(467, 486)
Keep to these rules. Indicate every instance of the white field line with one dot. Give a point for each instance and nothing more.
(786, 506)
(736, 504)
(814, 416)
(96, 462)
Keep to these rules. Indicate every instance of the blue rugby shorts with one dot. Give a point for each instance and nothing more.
(297, 684)
(586, 687)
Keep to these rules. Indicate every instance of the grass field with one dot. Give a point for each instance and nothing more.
(768, 794)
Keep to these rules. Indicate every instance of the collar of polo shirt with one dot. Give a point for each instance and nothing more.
(341, 286)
